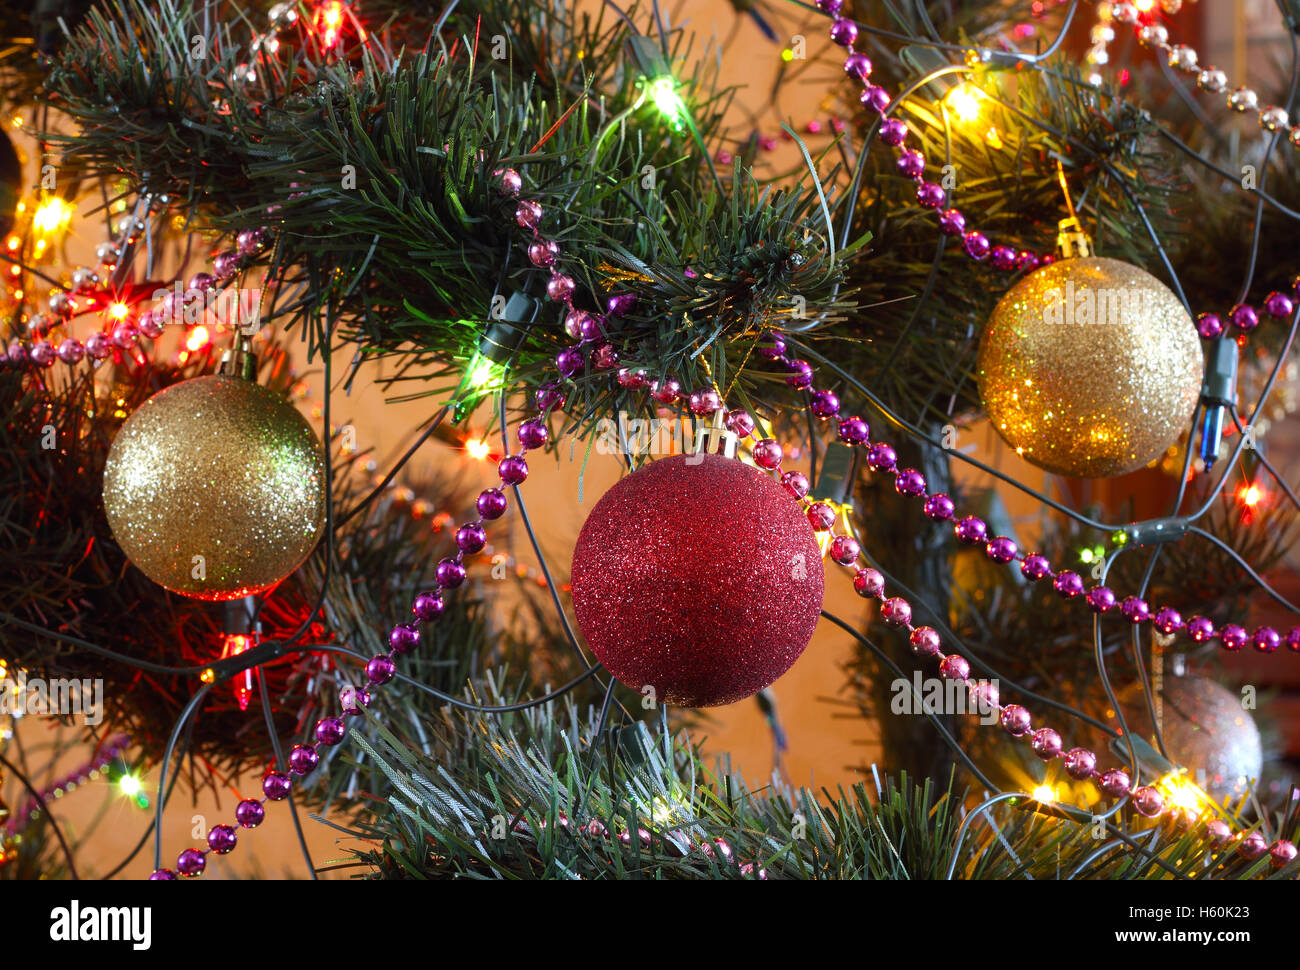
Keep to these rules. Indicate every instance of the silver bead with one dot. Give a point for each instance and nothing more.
(1124, 13)
(266, 43)
(1103, 34)
(58, 301)
(243, 74)
(107, 254)
(1096, 80)
(1271, 119)
(1243, 99)
(84, 278)
(1295, 136)
(37, 323)
(282, 14)
(1212, 79)
(1171, 7)
(1153, 35)
(1182, 58)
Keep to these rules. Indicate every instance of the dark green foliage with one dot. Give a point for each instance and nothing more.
(558, 810)
(377, 174)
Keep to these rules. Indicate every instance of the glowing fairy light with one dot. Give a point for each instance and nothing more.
(1045, 794)
(477, 448)
(483, 374)
(197, 340)
(329, 21)
(235, 644)
(1182, 793)
(130, 785)
(662, 92)
(118, 310)
(963, 101)
(52, 215)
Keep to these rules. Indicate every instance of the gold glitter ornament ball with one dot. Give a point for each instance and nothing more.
(215, 488)
(1090, 367)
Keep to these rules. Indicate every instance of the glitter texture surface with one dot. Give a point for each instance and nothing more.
(1090, 367)
(221, 468)
(1205, 727)
(701, 578)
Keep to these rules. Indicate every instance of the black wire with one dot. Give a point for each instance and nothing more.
(190, 709)
(551, 586)
(401, 462)
(958, 644)
(53, 823)
(466, 705)
(1259, 404)
(898, 671)
(1236, 557)
(282, 764)
(537, 548)
(1263, 460)
(103, 651)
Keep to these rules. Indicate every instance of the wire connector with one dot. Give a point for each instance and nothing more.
(1154, 532)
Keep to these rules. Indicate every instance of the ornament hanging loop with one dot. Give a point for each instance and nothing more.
(715, 439)
(1071, 240)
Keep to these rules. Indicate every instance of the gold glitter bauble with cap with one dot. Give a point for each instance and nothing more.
(1090, 367)
(219, 468)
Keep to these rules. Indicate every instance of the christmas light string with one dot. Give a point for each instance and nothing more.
(1183, 58)
(542, 254)
(1243, 316)
(31, 809)
(661, 390)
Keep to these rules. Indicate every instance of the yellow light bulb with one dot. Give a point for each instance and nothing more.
(118, 311)
(130, 785)
(52, 215)
(963, 101)
(1183, 793)
(1045, 793)
(477, 448)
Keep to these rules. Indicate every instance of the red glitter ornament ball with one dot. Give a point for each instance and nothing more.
(699, 576)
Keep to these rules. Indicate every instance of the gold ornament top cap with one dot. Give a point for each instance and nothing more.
(1071, 240)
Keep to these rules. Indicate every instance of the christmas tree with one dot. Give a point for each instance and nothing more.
(974, 368)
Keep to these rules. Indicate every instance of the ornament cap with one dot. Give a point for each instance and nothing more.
(1071, 240)
(716, 439)
(239, 360)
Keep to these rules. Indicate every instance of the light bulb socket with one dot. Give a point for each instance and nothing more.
(835, 476)
(649, 58)
(1220, 385)
(504, 336)
(237, 616)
